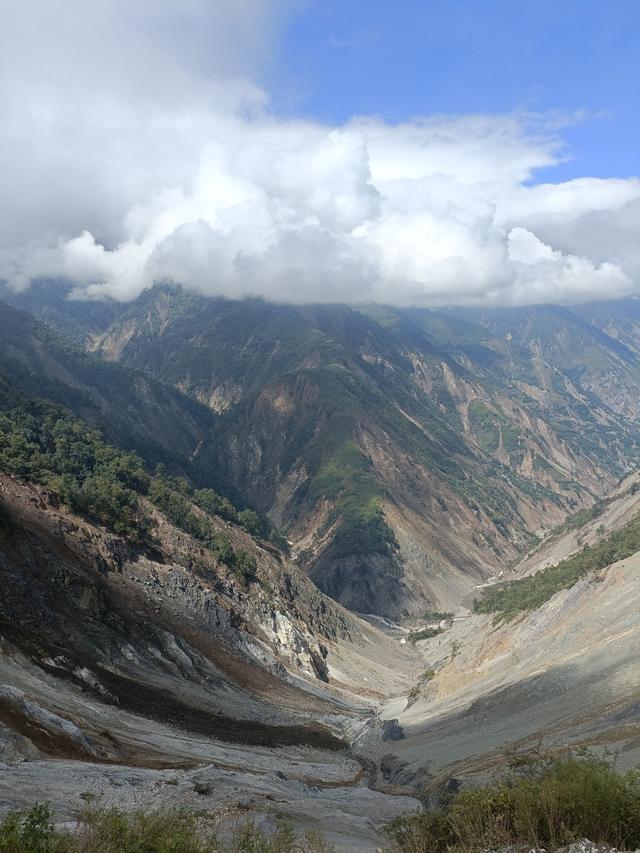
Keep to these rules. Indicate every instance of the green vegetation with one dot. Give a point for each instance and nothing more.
(437, 615)
(423, 634)
(347, 479)
(492, 429)
(541, 802)
(113, 831)
(249, 520)
(426, 676)
(590, 513)
(43, 443)
(186, 509)
(215, 504)
(582, 517)
(507, 600)
(363, 532)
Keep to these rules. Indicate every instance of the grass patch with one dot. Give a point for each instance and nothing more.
(113, 831)
(507, 600)
(492, 429)
(541, 802)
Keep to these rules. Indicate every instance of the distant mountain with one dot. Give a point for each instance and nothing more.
(405, 453)
(50, 301)
(133, 410)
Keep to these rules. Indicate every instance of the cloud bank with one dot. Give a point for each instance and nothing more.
(136, 147)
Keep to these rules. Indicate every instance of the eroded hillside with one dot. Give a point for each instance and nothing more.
(559, 675)
(162, 642)
(405, 454)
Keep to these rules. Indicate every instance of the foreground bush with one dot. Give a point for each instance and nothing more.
(113, 831)
(546, 803)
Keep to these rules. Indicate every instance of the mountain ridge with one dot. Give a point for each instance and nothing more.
(405, 453)
(420, 426)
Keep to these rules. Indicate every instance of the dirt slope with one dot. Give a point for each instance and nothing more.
(562, 676)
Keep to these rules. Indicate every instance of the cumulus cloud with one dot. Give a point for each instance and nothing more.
(137, 147)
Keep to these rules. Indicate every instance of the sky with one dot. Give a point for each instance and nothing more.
(411, 153)
(416, 58)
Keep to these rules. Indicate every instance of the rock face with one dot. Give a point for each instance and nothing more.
(89, 607)
(153, 677)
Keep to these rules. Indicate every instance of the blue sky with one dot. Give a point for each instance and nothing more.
(213, 143)
(409, 58)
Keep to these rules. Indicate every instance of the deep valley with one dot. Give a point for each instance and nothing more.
(314, 563)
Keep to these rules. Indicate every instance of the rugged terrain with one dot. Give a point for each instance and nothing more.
(219, 694)
(163, 643)
(562, 676)
(469, 440)
(406, 454)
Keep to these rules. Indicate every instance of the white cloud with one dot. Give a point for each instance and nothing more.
(136, 147)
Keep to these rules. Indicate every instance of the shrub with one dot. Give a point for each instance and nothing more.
(545, 802)
(426, 676)
(28, 832)
(142, 832)
(437, 616)
(106, 500)
(250, 521)
(114, 831)
(178, 507)
(423, 832)
(215, 504)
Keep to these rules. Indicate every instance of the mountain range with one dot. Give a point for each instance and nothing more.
(405, 454)
(260, 525)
